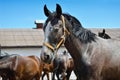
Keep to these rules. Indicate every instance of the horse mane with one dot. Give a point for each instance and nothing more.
(83, 34)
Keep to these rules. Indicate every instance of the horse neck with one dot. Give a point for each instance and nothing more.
(71, 42)
(74, 46)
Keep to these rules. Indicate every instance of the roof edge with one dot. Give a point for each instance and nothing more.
(20, 47)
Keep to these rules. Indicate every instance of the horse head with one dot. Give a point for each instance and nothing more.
(54, 32)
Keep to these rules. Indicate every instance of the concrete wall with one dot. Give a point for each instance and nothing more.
(26, 51)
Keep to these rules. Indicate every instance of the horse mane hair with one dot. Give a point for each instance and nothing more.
(83, 34)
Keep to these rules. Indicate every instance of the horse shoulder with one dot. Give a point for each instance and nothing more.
(33, 62)
(38, 61)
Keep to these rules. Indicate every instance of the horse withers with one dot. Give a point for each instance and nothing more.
(94, 58)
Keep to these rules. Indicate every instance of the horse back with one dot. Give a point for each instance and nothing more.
(24, 62)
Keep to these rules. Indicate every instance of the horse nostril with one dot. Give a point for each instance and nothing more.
(47, 57)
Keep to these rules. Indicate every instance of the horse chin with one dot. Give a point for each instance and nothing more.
(48, 61)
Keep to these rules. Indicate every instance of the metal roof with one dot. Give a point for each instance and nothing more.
(21, 37)
(35, 37)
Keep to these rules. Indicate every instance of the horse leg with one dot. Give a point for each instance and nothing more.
(37, 76)
(43, 75)
(76, 73)
(53, 76)
(68, 75)
(63, 76)
(4, 78)
(57, 74)
(47, 75)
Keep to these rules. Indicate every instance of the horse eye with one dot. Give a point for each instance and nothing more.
(60, 25)
(56, 30)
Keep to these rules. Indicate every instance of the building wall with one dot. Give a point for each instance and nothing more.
(26, 51)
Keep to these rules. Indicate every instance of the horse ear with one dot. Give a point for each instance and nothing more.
(46, 11)
(103, 31)
(58, 10)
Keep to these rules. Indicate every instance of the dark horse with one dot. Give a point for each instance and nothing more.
(104, 35)
(94, 58)
(61, 66)
(21, 67)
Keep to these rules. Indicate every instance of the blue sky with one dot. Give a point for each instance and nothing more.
(91, 13)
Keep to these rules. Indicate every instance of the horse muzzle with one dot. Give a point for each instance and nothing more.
(46, 58)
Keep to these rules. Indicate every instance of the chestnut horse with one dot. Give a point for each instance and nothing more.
(94, 58)
(104, 35)
(60, 65)
(22, 67)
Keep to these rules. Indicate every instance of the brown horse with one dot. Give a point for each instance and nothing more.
(22, 67)
(60, 65)
(94, 58)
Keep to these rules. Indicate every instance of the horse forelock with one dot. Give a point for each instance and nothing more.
(52, 19)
